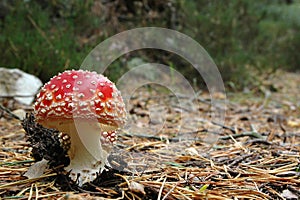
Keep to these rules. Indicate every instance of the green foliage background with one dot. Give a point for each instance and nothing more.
(45, 37)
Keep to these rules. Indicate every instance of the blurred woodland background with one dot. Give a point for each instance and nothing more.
(245, 38)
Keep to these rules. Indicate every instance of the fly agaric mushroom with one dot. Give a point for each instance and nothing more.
(89, 108)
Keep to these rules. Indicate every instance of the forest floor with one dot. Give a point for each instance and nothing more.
(173, 150)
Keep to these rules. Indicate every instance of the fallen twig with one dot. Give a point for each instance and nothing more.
(9, 112)
(176, 139)
(244, 134)
(224, 126)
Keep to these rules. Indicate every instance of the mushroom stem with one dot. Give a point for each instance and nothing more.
(87, 155)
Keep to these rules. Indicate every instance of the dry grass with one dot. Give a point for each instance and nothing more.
(256, 157)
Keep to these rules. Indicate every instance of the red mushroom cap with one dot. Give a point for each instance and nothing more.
(78, 94)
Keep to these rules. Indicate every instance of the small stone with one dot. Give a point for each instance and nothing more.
(37, 169)
(20, 113)
(137, 187)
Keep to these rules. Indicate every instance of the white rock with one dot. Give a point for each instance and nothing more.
(20, 113)
(192, 151)
(137, 187)
(37, 169)
(16, 83)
